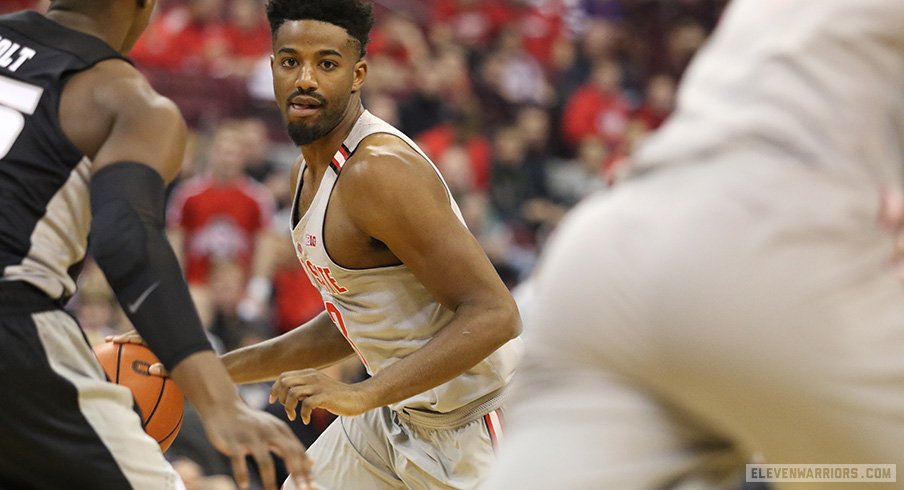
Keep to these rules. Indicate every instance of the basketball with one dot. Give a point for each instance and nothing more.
(159, 400)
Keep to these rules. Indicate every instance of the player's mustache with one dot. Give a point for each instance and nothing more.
(306, 93)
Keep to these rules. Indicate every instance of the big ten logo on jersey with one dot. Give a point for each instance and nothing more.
(13, 55)
(324, 277)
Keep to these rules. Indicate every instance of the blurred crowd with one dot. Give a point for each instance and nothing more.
(525, 106)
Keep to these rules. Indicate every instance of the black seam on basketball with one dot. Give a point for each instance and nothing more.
(175, 428)
(156, 404)
(118, 360)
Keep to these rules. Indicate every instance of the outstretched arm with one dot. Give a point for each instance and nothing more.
(317, 343)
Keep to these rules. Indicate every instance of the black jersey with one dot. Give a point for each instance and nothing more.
(45, 211)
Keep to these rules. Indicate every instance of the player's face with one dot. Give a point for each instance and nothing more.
(316, 71)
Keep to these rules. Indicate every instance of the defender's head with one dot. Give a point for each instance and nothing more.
(127, 18)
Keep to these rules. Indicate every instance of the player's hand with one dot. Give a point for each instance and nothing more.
(132, 337)
(239, 432)
(314, 389)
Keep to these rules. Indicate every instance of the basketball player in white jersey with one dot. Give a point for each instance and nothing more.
(407, 288)
(739, 293)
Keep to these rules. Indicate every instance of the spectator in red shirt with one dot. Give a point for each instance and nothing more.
(220, 214)
(473, 23)
(540, 26)
(658, 102)
(247, 36)
(463, 131)
(187, 38)
(598, 107)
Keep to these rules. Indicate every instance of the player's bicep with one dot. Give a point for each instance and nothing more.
(146, 128)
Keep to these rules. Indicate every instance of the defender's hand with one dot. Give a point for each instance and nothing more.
(240, 431)
(132, 337)
(317, 390)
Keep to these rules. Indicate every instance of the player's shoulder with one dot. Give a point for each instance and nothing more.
(383, 156)
(384, 167)
(116, 86)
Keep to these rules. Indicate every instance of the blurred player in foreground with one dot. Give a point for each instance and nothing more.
(406, 287)
(86, 145)
(743, 291)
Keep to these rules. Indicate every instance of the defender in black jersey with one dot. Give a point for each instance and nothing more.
(86, 147)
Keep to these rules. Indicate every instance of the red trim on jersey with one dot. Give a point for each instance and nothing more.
(336, 317)
(493, 422)
(339, 159)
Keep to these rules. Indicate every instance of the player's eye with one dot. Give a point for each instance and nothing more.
(328, 65)
(288, 63)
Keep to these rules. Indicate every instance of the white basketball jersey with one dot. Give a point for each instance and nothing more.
(821, 80)
(385, 312)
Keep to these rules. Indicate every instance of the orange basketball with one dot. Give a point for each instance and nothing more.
(159, 400)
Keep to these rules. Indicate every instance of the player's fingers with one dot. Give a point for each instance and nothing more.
(290, 413)
(130, 337)
(240, 469)
(282, 385)
(308, 406)
(158, 370)
(266, 468)
(286, 444)
(294, 396)
(287, 381)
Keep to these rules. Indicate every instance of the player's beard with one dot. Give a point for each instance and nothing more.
(303, 133)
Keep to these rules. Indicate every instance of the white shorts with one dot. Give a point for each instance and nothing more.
(377, 450)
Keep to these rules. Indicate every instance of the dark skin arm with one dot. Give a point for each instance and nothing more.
(390, 194)
(317, 343)
(130, 122)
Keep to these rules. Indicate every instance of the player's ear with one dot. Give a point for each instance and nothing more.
(360, 75)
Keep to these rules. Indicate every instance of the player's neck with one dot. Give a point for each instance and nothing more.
(320, 153)
(110, 31)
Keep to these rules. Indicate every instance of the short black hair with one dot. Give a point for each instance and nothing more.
(355, 16)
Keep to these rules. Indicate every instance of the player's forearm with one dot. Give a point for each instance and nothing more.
(315, 344)
(205, 382)
(476, 332)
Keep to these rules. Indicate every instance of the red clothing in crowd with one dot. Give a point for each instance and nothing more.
(175, 42)
(219, 221)
(591, 112)
(651, 117)
(437, 140)
(472, 22)
(295, 298)
(7, 6)
(539, 28)
(243, 43)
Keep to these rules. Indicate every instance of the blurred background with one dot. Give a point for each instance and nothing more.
(526, 107)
